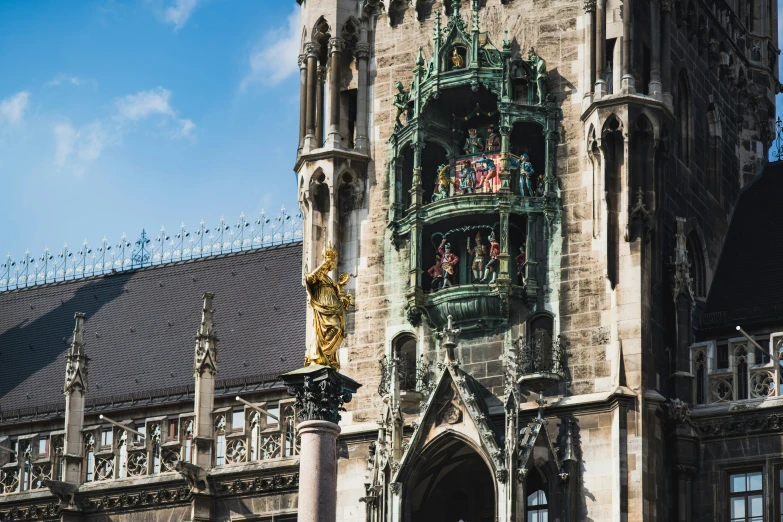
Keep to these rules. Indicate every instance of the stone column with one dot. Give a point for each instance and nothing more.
(319, 107)
(336, 46)
(362, 95)
(312, 80)
(656, 87)
(505, 171)
(685, 475)
(75, 390)
(302, 98)
(320, 392)
(629, 84)
(666, 51)
(589, 56)
(600, 49)
(417, 192)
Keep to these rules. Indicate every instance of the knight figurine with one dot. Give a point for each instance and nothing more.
(494, 260)
(435, 272)
(539, 72)
(401, 103)
(468, 179)
(448, 263)
(479, 254)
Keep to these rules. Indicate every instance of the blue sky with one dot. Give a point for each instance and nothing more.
(120, 115)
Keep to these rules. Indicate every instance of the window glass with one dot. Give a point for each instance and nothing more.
(754, 481)
(746, 504)
(737, 483)
(106, 437)
(238, 420)
(43, 446)
(220, 453)
(143, 430)
(274, 410)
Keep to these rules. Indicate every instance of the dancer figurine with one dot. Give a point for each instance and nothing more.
(448, 263)
(494, 260)
(436, 275)
(479, 253)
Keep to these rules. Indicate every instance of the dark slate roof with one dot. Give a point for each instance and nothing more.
(748, 279)
(140, 326)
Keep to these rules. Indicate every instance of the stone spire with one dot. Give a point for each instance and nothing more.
(206, 340)
(204, 372)
(448, 339)
(682, 276)
(76, 367)
(75, 390)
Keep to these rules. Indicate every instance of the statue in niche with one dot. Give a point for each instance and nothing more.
(473, 143)
(479, 253)
(520, 261)
(539, 72)
(494, 260)
(401, 102)
(526, 173)
(329, 301)
(435, 272)
(468, 180)
(442, 183)
(493, 139)
(457, 60)
(448, 263)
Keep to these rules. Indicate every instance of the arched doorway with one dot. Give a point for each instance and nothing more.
(452, 483)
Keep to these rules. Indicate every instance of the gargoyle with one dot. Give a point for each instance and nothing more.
(65, 493)
(195, 476)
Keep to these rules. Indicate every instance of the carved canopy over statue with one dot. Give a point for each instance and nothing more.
(328, 301)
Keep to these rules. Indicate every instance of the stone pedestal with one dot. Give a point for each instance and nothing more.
(320, 393)
(318, 471)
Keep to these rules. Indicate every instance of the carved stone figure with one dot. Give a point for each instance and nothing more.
(493, 139)
(479, 254)
(195, 476)
(401, 103)
(328, 301)
(448, 263)
(473, 143)
(539, 72)
(64, 491)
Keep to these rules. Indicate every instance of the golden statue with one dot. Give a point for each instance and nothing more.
(328, 301)
(456, 59)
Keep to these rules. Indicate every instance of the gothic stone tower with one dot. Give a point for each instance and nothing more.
(600, 128)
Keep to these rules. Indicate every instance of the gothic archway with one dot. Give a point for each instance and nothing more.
(451, 482)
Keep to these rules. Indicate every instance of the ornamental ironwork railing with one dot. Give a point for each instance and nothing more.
(539, 356)
(149, 250)
(413, 374)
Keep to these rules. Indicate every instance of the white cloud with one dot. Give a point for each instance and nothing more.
(61, 79)
(76, 149)
(12, 108)
(178, 14)
(144, 104)
(275, 61)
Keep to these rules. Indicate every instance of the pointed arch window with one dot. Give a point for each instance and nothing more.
(537, 500)
(89, 458)
(741, 371)
(220, 443)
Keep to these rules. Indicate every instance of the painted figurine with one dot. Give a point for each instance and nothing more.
(456, 59)
(479, 253)
(328, 301)
(540, 186)
(468, 178)
(436, 274)
(448, 263)
(442, 183)
(493, 139)
(494, 259)
(473, 143)
(488, 172)
(520, 261)
(526, 172)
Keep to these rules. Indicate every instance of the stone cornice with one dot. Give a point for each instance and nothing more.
(330, 153)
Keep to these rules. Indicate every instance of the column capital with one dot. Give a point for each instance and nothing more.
(363, 51)
(311, 50)
(320, 392)
(302, 61)
(588, 6)
(321, 73)
(666, 6)
(336, 45)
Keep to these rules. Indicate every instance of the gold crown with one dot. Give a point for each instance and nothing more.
(330, 252)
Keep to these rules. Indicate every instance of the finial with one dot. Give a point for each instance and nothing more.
(541, 403)
(206, 339)
(448, 339)
(420, 58)
(475, 16)
(454, 7)
(568, 452)
(437, 27)
(506, 42)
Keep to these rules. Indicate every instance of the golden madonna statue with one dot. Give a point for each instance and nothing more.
(328, 301)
